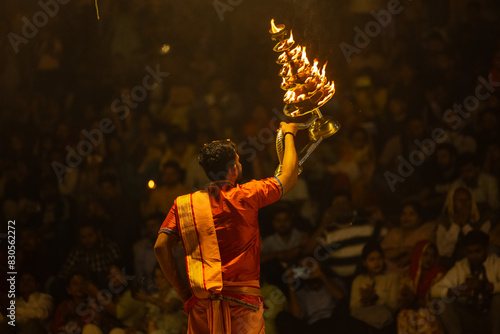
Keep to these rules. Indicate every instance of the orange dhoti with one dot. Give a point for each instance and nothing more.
(225, 315)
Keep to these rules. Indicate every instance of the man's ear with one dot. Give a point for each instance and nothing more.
(233, 170)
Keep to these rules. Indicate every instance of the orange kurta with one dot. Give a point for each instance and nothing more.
(234, 211)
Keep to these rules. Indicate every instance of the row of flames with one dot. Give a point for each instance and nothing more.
(307, 87)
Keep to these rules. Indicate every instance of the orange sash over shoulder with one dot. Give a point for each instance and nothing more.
(203, 263)
(200, 243)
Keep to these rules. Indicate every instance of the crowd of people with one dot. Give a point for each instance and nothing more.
(393, 226)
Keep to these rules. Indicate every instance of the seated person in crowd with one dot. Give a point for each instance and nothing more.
(414, 295)
(76, 313)
(144, 256)
(93, 254)
(286, 242)
(441, 176)
(461, 217)
(315, 302)
(33, 255)
(471, 289)
(342, 233)
(400, 240)
(33, 307)
(299, 197)
(495, 239)
(374, 294)
(482, 186)
(272, 286)
(165, 308)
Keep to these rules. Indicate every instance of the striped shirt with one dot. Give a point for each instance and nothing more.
(345, 245)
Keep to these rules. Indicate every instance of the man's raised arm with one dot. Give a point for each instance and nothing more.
(290, 167)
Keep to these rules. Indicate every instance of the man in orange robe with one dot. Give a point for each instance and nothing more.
(219, 230)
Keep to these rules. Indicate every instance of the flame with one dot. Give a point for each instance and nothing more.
(274, 28)
(304, 56)
(290, 41)
(285, 44)
(314, 69)
(292, 97)
(327, 96)
(306, 84)
(297, 53)
(286, 70)
(294, 52)
(303, 61)
(151, 184)
(289, 96)
(283, 57)
(283, 84)
(300, 98)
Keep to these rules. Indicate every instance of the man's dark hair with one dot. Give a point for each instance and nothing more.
(476, 237)
(216, 158)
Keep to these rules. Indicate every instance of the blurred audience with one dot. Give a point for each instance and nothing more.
(87, 122)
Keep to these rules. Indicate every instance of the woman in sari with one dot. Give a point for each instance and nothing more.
(415, 315)
(400, 240)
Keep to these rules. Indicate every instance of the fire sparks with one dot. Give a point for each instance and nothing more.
(306, 85)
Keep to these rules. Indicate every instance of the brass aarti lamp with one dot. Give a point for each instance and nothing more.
(307, 89)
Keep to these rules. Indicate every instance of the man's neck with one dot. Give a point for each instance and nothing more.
(221, 183)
